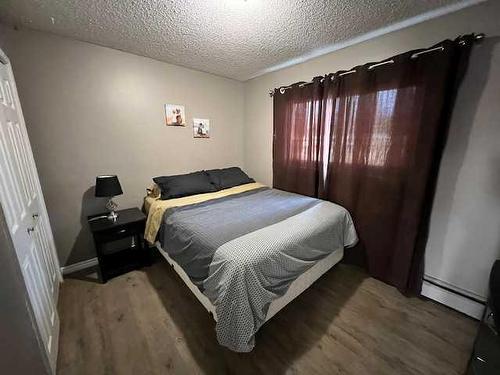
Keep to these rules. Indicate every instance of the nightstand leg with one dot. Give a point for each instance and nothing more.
(100, 274)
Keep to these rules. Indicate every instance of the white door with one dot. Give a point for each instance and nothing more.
(24, 208)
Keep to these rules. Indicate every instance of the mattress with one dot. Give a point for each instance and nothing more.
(148, 202)
(247, 253)
(155, 207)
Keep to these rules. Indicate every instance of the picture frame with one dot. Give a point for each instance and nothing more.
(175, 115)
(201, 128)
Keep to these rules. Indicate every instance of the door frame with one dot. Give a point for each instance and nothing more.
(6, 61)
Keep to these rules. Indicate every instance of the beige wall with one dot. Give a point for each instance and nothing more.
(92, 110)
(464, 236)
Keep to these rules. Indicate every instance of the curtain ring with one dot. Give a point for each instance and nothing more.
(282, 90)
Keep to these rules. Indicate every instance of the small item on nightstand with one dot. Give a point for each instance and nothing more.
(108, 186)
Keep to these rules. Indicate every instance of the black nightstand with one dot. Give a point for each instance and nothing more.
(120, 244)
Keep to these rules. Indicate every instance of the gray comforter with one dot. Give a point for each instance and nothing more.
(244, 251)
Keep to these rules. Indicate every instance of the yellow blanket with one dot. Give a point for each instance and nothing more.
(156, 207)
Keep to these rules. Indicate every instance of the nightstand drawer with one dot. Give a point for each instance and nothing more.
(121, 232)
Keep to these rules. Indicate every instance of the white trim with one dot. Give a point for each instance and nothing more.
(453, 300)
(445, 284)
(370, 35)
(79, 266)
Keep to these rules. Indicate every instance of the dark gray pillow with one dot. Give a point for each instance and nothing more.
(228, 177)
(184, 185)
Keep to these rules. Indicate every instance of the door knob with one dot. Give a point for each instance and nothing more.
(30, 229)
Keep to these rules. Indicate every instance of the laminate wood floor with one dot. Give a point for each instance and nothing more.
(148, 322)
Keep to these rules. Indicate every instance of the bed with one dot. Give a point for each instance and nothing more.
(247, 251)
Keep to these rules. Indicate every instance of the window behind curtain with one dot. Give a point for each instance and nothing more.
(297, 126)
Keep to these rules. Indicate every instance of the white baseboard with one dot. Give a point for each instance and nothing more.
(79, 266)
(453, 300)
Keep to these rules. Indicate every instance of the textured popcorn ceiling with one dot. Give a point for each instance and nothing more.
(233, 38)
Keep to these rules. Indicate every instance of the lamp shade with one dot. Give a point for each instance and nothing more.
(107, 186)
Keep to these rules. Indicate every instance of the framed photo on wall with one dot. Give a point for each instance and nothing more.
(175, 115)
(201, 128)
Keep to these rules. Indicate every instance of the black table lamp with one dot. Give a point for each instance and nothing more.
(108, 186)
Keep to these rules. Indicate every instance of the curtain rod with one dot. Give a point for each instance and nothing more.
(477, 38)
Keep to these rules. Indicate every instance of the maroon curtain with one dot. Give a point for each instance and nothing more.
(297, 116)
(371, 141)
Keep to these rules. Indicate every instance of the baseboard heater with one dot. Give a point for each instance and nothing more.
(453, 297)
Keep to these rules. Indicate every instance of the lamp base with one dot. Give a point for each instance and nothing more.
(112, 206)
(112, 216)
